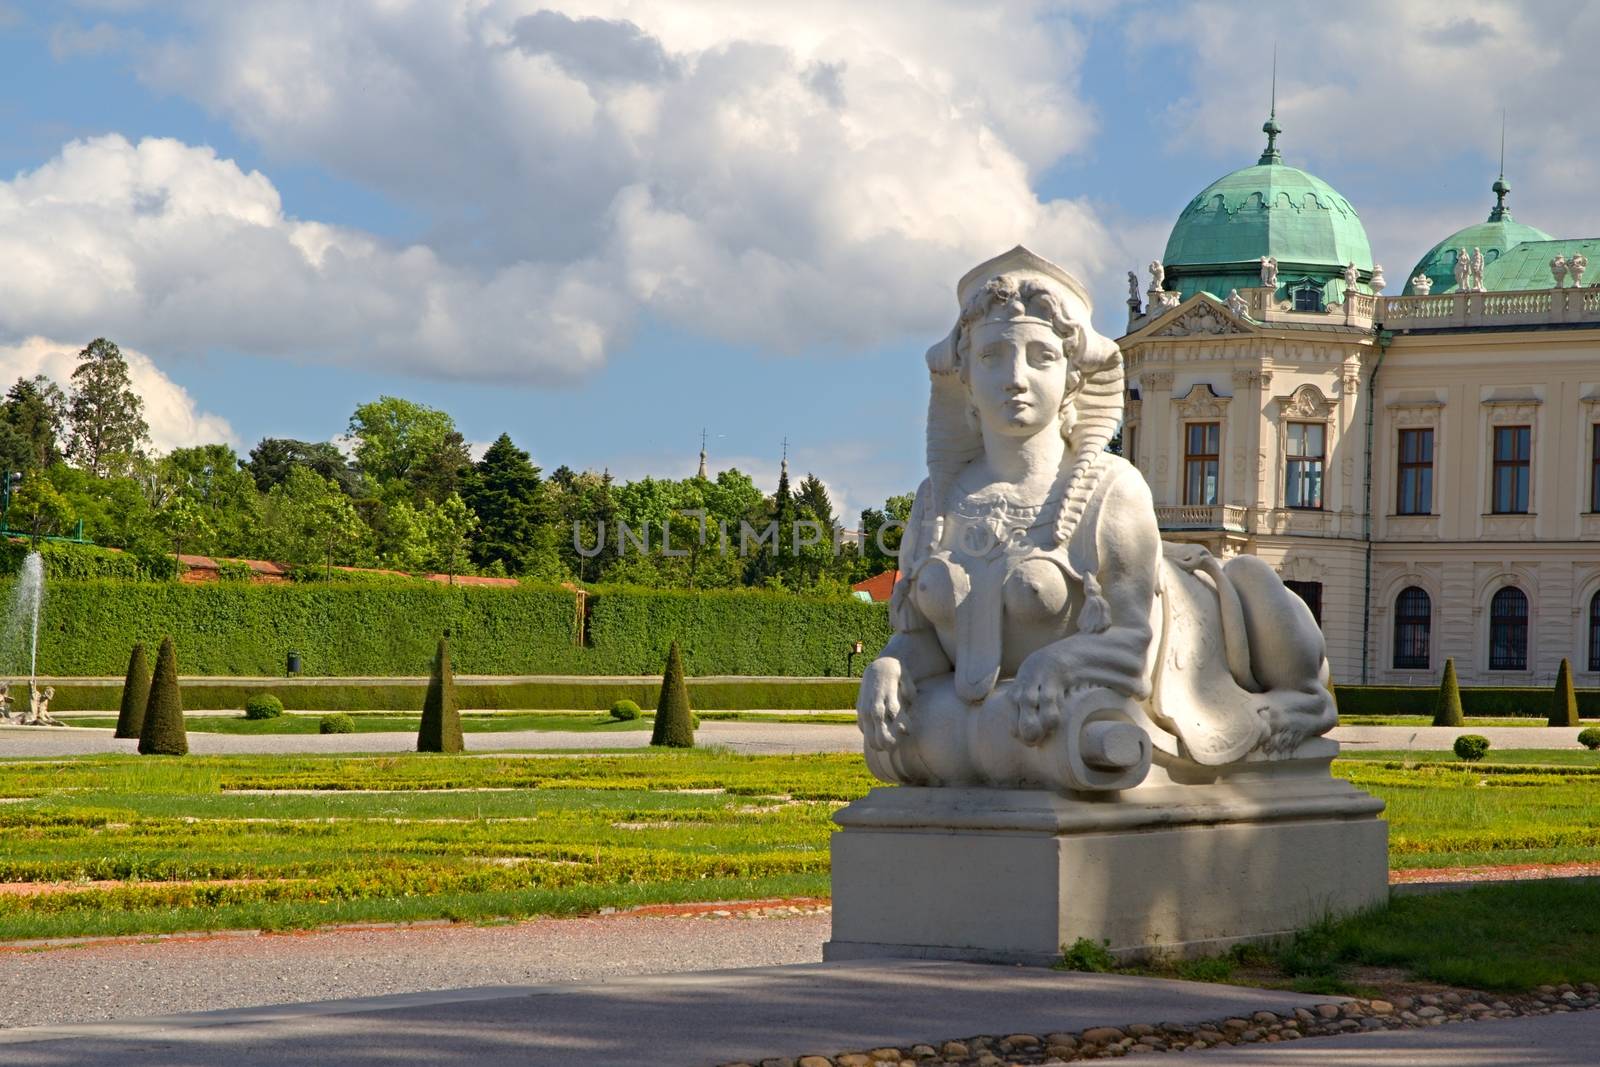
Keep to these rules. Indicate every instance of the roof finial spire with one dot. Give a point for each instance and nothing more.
(702, 472)
(1271, 127)
(1501, 213)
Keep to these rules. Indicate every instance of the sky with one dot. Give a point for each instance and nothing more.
(607, 226)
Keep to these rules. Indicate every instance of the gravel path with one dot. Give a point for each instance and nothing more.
(753, 737)
(133, 979)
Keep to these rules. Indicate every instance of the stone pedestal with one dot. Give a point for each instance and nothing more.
(1190, 862)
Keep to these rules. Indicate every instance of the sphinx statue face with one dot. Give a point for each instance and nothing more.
(1018, 375)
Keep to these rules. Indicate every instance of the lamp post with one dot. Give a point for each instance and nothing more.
(11, 479)
(850, 659)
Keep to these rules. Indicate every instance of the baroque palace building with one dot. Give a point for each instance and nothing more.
(1424, 468)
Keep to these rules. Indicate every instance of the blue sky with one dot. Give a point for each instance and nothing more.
(604, 225)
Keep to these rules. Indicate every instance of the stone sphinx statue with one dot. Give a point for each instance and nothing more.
(1087, 732)
(1045, 637)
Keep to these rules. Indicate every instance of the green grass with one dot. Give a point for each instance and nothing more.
(1427, 720)
(339, 838)
(1575, 758)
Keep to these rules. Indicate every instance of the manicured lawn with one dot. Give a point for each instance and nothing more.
(494, 722)
(318, 839)
(1470, 721)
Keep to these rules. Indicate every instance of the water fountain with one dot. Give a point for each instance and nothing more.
(22, 634)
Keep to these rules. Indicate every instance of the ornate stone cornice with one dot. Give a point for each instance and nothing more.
(1202, 402)
(1306, 402)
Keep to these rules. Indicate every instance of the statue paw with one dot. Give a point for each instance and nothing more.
(1040, 698)
(886, 695)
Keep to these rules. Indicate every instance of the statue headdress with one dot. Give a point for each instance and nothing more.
(1022, 286)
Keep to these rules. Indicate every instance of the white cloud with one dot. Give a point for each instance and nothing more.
(793, 177)
(173, 249)
(168, 408)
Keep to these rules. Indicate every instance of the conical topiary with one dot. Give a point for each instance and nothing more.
(441, 719)
(135, 694)
(674, 719)
(1564, 702)
(1447, 708)
(163, 732)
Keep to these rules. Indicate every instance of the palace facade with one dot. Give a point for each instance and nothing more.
(1424, 468)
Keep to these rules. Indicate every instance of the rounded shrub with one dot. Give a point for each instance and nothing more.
(625, 711)
(263, 706)
(337, 723)
(1590, 738)
(1471, 747)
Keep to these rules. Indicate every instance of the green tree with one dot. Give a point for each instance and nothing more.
(211, 478)
(440, 729)
(38, 508)
(1447, 708)
(408, 449)
(450, 525)
(183, 521)
(583, 504)
(674, 725)
(272, 459)
(881, 553)
(403, 541)
(513, 510)
(1564, 702)
(135, 694)
(163, 732)
(308, 519)
(35, 410)
(106, 415)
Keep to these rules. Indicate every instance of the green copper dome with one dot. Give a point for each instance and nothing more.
(1496, 237)
(1267, 210)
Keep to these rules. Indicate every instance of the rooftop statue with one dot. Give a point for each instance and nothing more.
(1158, 275)
(1421, 285)
(1463, 270)
(1576, 266)
(1045, 636)
(1269, 272)
(1558, 269)
(1378, 280)
(1477, 270)
(1351, 277)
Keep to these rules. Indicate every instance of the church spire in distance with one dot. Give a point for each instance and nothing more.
(1271, 128)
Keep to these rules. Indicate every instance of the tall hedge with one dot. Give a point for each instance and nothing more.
(345, 629)
(440, 729)
(674, 726)
(163, 732)
(135, 694)
(1447, 708)
(1563, 701)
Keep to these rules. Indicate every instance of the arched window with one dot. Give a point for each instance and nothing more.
(1413, 623)
(1508, 630)
(1594, 632)
(1308, 298)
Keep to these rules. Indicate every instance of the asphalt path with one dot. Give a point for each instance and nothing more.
(682, 1020)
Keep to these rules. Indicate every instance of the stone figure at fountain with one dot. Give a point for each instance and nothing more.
(1090, 732)
(6, 702)
(39, 707)
(1044, 634)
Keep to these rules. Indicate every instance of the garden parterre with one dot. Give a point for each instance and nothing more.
(276, 842)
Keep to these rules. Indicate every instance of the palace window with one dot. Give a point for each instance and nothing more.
(1416, 473)
(1508, 630)
(1311, 593)
(1308, 298)
(1594, 468)
(1130, 444)
(1202, 450)
(1594, 632)
(1512, 460)
(1305, 456)
(1413, 624)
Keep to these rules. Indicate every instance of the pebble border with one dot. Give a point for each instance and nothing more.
(1110, 1042)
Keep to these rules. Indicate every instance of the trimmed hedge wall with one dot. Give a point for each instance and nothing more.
(751, 632)
(342, 629)
(526, 696)
(1532, 702)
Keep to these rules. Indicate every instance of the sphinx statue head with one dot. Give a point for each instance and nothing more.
(1027, 300)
